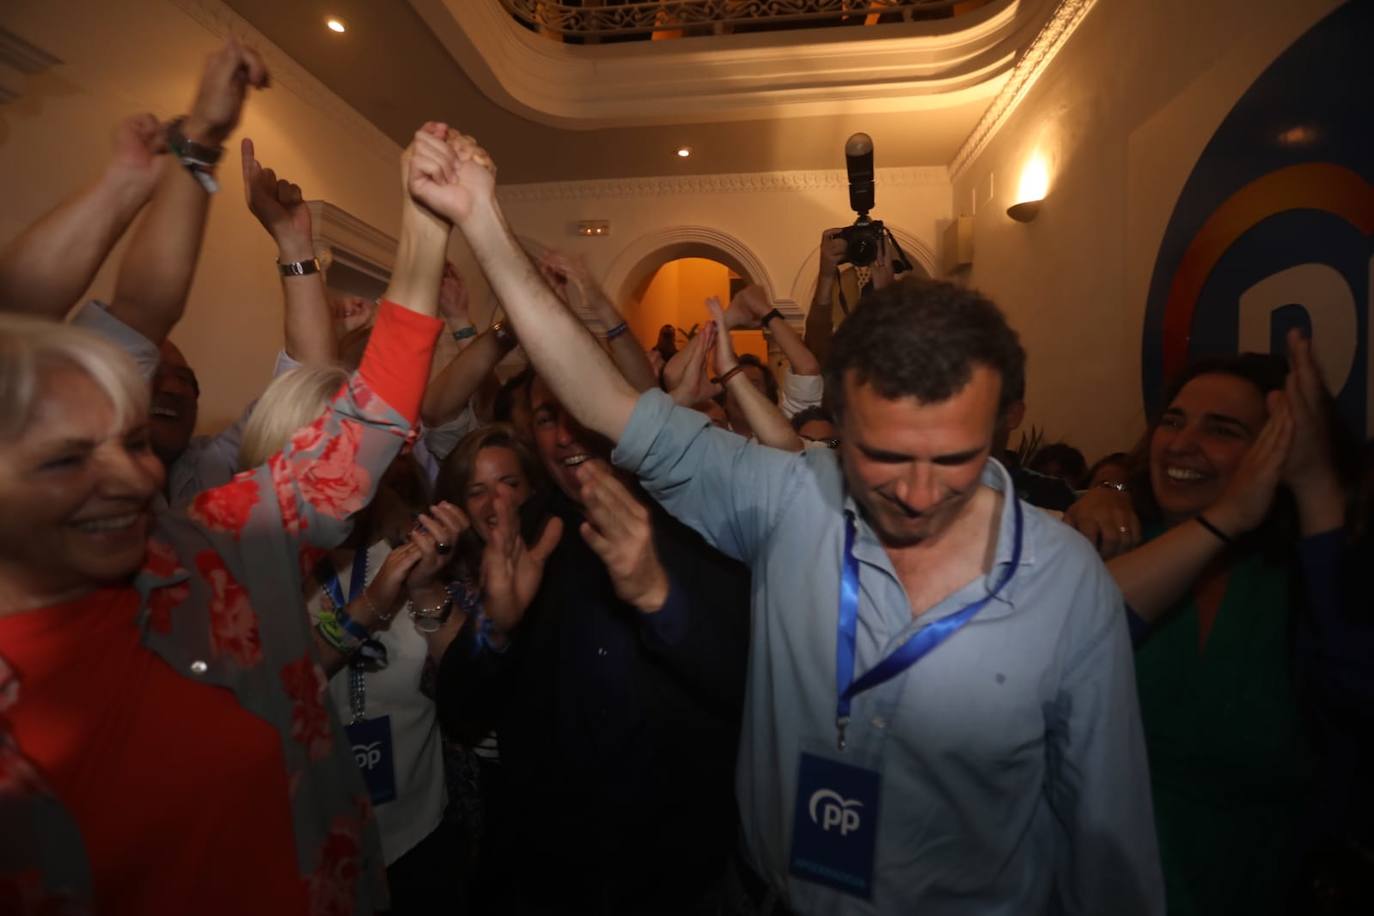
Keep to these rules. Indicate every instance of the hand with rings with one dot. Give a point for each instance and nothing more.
(434, 536)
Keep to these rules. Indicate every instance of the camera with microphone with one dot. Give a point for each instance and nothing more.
(864, 239)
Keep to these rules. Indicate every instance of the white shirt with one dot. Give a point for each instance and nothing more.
(418, 756)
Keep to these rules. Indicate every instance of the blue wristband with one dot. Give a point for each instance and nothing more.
(616, 331)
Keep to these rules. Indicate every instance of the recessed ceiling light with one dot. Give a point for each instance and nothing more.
(336, 25)
(684, 151)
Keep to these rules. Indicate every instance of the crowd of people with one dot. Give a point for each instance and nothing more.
(644, 631)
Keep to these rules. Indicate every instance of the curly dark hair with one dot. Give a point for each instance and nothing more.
(803, 417)
(922, 338)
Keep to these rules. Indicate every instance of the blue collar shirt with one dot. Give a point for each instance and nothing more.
(1013, 770)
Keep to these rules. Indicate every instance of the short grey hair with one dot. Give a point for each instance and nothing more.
(30, 347)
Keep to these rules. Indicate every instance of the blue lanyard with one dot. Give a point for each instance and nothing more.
(357, 580)
(914, 649)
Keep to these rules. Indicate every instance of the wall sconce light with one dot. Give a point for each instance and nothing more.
(1025, 211)
(594, 228)
(1030, 190)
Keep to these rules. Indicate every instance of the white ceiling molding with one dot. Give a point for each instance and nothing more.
(218, 19)
(351, 241)
(1046, 46)
(916, 66)
(18, 60)
(745, 182)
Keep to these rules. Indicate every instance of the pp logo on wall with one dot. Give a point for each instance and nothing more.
(1275, 226)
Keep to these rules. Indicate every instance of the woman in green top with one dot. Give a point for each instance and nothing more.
(1239, 449)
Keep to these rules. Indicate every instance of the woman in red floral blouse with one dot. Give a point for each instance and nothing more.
(165, 744)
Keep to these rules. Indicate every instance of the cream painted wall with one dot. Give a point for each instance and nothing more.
(774, 219)
(146, 55)
(1121, 115)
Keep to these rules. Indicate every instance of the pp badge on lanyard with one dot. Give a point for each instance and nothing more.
(835, 818)
(371, 740)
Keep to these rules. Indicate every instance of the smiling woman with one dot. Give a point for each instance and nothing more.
(130, 621)
(77, 472)
(1237, 492)
(139, 642)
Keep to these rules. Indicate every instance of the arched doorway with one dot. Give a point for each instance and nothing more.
(664, 278)
(671, 303)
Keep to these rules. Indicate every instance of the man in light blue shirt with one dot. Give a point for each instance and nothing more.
(941, 712)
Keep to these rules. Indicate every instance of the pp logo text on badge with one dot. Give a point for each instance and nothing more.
(830, 809)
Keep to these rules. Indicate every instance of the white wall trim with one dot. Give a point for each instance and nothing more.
(218, 19)
(912, 66)
(738, 183)
(642, 258)
(1037, 57)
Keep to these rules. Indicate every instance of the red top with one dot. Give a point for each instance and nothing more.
(161, 772)
(391, 363)
(189, 797)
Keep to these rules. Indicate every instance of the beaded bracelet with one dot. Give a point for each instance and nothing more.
(341, 631)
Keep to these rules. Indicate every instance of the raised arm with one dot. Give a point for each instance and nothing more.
(561, 349)
(47, 267)
(330, 469)
(280, 208)
(820, 319)
(583, 291)
(767, 422)
(1155, 575)
(155, 275)
(1309, 470)
(751, 308)
(694, 384)
(451, 390)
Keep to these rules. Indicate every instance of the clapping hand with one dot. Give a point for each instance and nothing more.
(695, 385)
(434, 537)
(512, 571)
(1248, 496)
(747, 308)
(1306, 395)
(620, 531)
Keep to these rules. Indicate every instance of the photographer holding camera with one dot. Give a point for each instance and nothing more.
(866, 244)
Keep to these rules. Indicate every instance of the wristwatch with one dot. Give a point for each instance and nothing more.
(300, 268)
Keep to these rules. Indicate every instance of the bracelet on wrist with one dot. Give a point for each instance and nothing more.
(197, 158)
(616, 331)
(727, 375)
(299, 268)
(1113, 485)
(431, 619)
(769, 316)
(341, 631)
(1221, 535)
(467, 332)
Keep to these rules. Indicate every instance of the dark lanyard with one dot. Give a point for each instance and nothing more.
(357, 581)
(914, 649)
